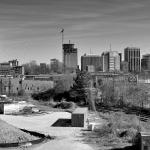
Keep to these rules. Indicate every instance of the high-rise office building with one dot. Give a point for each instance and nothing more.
(91, 62)
(124, 66)
(56, 66)
(145, 62)
(132, 56)
(54, 63)
(43, 68)
(120, 54)
(111, 61)
(70, 57)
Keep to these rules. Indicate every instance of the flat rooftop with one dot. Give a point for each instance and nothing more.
(80, 110)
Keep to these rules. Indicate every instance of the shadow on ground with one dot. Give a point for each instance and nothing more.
(128, 148)
(62, 123)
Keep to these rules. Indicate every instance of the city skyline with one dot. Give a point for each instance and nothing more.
(30, 30)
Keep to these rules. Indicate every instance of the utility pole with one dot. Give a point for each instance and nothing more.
(113, 76)
(9, 86)
(63, 57)
(62, 33)
(1, 86)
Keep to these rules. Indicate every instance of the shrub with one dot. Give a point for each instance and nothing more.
(124, 94)
(120, 125)
(46, 95)
(65, 105)
(78, 91)
(21, 93)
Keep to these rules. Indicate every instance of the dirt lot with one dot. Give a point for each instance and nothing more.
(66, 137)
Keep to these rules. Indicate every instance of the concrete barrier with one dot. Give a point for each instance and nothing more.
(79, 117)
(12, 108)
(91, 126)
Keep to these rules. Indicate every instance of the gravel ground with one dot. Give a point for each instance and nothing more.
(65, 137)
(11, 134)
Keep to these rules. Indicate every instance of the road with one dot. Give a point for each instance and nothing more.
(67, 138)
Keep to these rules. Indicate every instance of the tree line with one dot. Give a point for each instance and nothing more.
(85, 92)
(32, 68)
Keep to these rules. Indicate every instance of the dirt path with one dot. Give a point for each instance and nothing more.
(67, 138)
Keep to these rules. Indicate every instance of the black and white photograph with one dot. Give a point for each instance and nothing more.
(74, 75)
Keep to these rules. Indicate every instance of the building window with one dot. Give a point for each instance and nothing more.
(145, 147)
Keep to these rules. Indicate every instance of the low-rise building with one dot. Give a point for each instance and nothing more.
(30, 86)
(11, 68)
(91, 62)
(90, 68)
(111, 61)
(34, 83)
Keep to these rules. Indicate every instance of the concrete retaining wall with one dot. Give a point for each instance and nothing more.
(79, 117)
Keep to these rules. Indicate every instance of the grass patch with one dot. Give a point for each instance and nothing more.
(119, 130)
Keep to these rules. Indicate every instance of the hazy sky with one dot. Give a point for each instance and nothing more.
(30, 29)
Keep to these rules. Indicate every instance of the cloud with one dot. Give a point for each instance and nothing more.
(38, 22)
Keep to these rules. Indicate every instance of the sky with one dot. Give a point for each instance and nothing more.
(30, 29)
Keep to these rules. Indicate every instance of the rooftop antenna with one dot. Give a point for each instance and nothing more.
(110, 47)
(90, 51)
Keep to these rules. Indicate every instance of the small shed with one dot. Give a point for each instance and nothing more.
(79, 117)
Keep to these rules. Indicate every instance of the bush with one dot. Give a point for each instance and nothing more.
(105, 130)
(60, 96)
(21, 93)
(120, 125)
(57, 93)
(124, 94)
(78, 91)
(45, 96)
(65, 105)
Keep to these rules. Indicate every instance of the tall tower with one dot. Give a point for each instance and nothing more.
(132, 56)
(111, 61)
(70, 57)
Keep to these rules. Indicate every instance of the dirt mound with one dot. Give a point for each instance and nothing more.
(11, 134)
